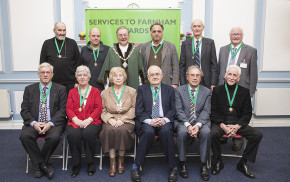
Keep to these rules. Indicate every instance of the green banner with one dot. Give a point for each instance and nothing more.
(138, 21)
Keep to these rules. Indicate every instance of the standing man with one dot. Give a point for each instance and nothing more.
(162, 54)
(63, 54)
(242, 55)
(93, 56)
(155, 111)
(43, 113)
(231, 112)
(193, 115)
(199, 51)
(124, 55)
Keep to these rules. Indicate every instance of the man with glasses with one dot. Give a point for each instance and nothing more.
(162, 54)
(193, 115)
(244, 56)
(63, 54)
(43, 114)
(155, 112)
(125, 55)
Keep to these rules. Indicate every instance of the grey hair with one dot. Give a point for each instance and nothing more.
(83, 68)
(122, 27)
(235, 67)
(194, 67)
(45, 64)
(152, 66)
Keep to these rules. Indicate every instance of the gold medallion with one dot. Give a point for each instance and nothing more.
(231, 109)
(155, 56)
(232, 60)
(154, 103)
(193, 107)
(59, 56)
(80, 109)
(193, 57)
(43, 105)
(96, 64)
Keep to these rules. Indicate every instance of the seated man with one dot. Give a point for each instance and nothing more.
(231, 112)
(193, 114)
(43, 113)
(155, 111)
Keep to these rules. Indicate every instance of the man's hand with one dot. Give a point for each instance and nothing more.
(193, 130)
(226, 128)
(174, 86)
(38, 127)
(211, 87)
(154, 122)
(234, 129)
(45, 128)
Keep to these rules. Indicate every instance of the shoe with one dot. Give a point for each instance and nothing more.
(216, 169)
(173, 175)
(47, 170)
(91, 169)
(37, 172)
(243, 167)
(135, 175)
(204, 173)
(183, 169)
(121, 165)
(112, 171)
(75, 170)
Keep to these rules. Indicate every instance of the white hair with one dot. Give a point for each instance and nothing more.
(45, 64)
(235, 67)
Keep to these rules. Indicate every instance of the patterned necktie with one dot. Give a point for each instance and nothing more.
(232, 60)
(155, 108)
(43, 107)
(192, 108)
(197, 58)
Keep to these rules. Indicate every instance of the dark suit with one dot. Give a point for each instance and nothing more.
(143, 110)
(30, 112)
(241, 114)
(208, 61)
(249, 75)
(202, 111)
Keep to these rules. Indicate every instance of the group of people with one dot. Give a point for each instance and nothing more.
(115, 93)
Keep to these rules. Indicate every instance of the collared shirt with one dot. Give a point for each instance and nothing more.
(195, 46)
(186, 124)
(237, 55)
(48, 107)
(157, 44)
(124, 49)
(148, 121)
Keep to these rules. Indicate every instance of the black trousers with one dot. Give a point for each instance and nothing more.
(28, 139)
(148, 133)
(252, 135)
(87, 136)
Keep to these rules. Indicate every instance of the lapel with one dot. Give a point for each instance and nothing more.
(199, 99)
(227, 52)
(203, 48)
(186, 96)
(163, 94)
(242, 54)
(125, 97)
(112, 96)
(190, 46)
(164, 50)
(147, 52)
(52, 97)
(37, 99)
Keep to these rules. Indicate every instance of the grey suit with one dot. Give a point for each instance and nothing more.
(169, 65)
(208, 61)
(202, 111)
(249, 75)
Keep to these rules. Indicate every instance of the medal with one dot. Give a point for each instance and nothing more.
(43, 105)
(155, 52)
(80, 109)
(231, 109)
(82, 99)
(154, 103)
(59, 56)
(193, 47)
(59, 50)
(229, 98)
(232, 60)
(155, 56)
(119, 103)
(43, 99)
(95, 56)
(193, 99)
(193, 107)
(96, 64)
(125, 64)
(192, 57)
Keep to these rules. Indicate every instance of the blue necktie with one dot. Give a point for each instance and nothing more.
(232, 60)
(43, 107)
(155, 108)
(197, 58)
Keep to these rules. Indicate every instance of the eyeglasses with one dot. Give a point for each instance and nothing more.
(195, 76)
(45, 72)
(236, 34)
(154, 74)
(123, 35)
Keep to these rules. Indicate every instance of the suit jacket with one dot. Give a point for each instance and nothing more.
(144, 103)
(169, 65)
(249, 75)
(220, 104)
(202, 108)
(31, 101)
(110, 104)
(208, 61)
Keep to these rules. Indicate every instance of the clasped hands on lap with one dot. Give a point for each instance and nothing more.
(82, 123)
(193, 130)
(230, 129)
(157, 122)
(115, 123)
(41, 127)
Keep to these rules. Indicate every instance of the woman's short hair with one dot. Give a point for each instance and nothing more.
(83, 68)
(114, 71)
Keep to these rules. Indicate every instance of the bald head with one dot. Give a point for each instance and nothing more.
(59, 30)
(95, 37)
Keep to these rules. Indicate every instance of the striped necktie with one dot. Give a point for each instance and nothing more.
(197, 58)
(232, 60)
(192, 106)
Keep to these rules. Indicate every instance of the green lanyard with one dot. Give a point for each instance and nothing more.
(234, 95)
(82, 99)
(95, 53)
(193, 47)
(44, 99)
(233, 55)
(155, 52)
(191, 97)
(118, 100)
(57, 45)
(155, 96)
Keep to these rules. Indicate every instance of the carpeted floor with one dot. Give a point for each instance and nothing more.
(272, 164)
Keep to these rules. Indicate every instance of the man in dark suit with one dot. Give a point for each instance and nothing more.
(43, 113)
(231, 112)
(155, 111)
(199, 51)
(161, 53)
(193, 115)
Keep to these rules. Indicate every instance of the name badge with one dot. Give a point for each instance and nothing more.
(243, 65)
